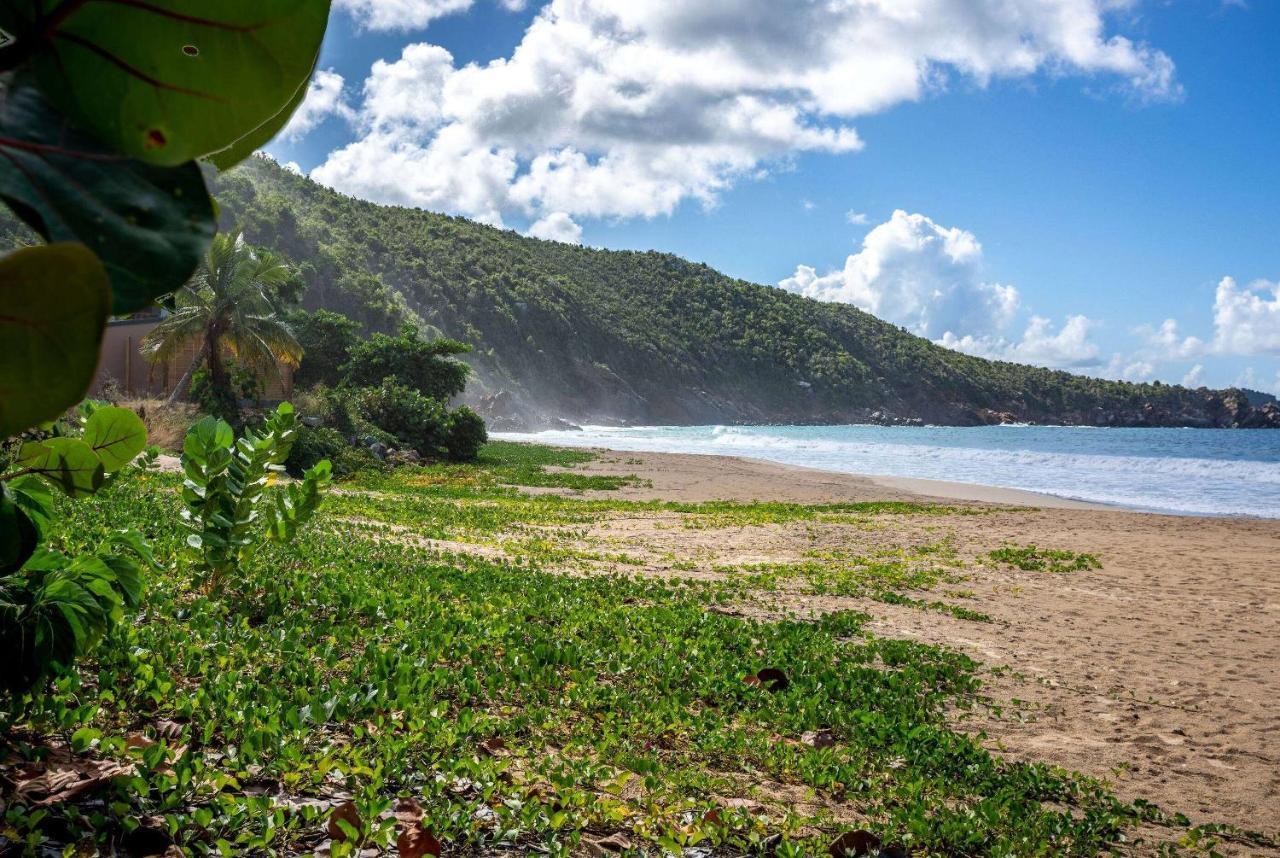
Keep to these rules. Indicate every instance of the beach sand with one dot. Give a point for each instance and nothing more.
(1159, 673)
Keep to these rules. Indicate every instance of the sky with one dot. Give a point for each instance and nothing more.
(1085, 184)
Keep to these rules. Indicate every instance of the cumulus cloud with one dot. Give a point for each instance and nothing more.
(1247, 320)
(1042, 344)
(401, 14)
(918, 274)
(857, 218)
(628, 109)
(1194, 377)
(557, 226)
(325, 97)
(929, 279)
(1166, 343)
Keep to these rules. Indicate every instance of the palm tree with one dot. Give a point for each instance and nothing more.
(226, 305)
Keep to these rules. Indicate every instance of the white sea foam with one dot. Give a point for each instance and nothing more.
(1206, 472)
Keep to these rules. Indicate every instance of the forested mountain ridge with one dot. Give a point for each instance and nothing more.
(601, 336)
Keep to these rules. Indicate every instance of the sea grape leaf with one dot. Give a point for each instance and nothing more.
(149, 225)
(227, 158)
(54, 302)
(34, 498)
(170, 81)
(68, 463)
(18, 534)
(117, 435)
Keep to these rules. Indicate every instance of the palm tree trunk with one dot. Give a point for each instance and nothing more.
(217, 369)
(180, 390)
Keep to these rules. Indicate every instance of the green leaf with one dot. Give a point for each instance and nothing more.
(260, 136)
(117, 435)
(34, 498)
(54, 302)
(149, 225)
(68, 463)
(169, 81)
(18, 534)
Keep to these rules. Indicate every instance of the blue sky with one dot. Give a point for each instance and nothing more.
(1064, 182)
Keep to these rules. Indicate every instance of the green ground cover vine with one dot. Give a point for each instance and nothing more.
(522, 710)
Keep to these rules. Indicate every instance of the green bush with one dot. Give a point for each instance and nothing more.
(423, 365)
(322, 442)
(417, 421)
(55, 608)
(326, 339)
(467, 434)
(225, 404)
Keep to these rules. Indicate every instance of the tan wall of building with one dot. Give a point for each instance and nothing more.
(123, 363)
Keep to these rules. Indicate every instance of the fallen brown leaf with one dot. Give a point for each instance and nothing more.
(345, 812)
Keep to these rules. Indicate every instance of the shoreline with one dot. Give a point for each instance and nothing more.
(820, 485)
(1206, 482)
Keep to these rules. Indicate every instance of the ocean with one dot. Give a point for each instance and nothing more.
(1184, 471)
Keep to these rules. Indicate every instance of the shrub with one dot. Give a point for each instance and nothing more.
(467, 434)
(423, 365)
(417, 421)
(54, 608)
(326, 339)
(316, 444)
(225, 404)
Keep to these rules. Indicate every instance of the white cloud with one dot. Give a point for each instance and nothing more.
(325, 97)
(1128, 368)
(857, 218)
(627, 109)
(293, 167)
(557, 226)
(1166, 343)
(916, 273)
(1069, 347)
(1251, 379)
(1194, 377)
(401, 14)
(929, 279)
(1247, 320)
(514, 5)
(808, 205)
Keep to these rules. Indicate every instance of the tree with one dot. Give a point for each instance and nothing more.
(423, 365)
(326, 339)
(227, 305)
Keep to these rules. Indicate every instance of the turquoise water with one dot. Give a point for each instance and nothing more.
(1188, 471)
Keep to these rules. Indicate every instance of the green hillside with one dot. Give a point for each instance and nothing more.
(597, 336)
(592, 335)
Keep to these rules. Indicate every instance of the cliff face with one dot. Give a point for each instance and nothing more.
(564, 332)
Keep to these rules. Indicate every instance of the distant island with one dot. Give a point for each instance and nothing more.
(566, 334)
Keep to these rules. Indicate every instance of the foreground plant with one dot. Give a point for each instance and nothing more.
(105, 110)
(54, 608)
(226, 482)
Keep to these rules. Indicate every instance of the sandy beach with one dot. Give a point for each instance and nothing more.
(1158, 672)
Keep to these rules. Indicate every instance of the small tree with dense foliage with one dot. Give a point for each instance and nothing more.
(423, 365)
(327, 340)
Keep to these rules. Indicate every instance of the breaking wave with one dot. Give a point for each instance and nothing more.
(1188, 471)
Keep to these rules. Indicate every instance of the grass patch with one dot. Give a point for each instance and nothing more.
(1030, 558)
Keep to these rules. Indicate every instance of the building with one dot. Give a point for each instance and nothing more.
(123, 367)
